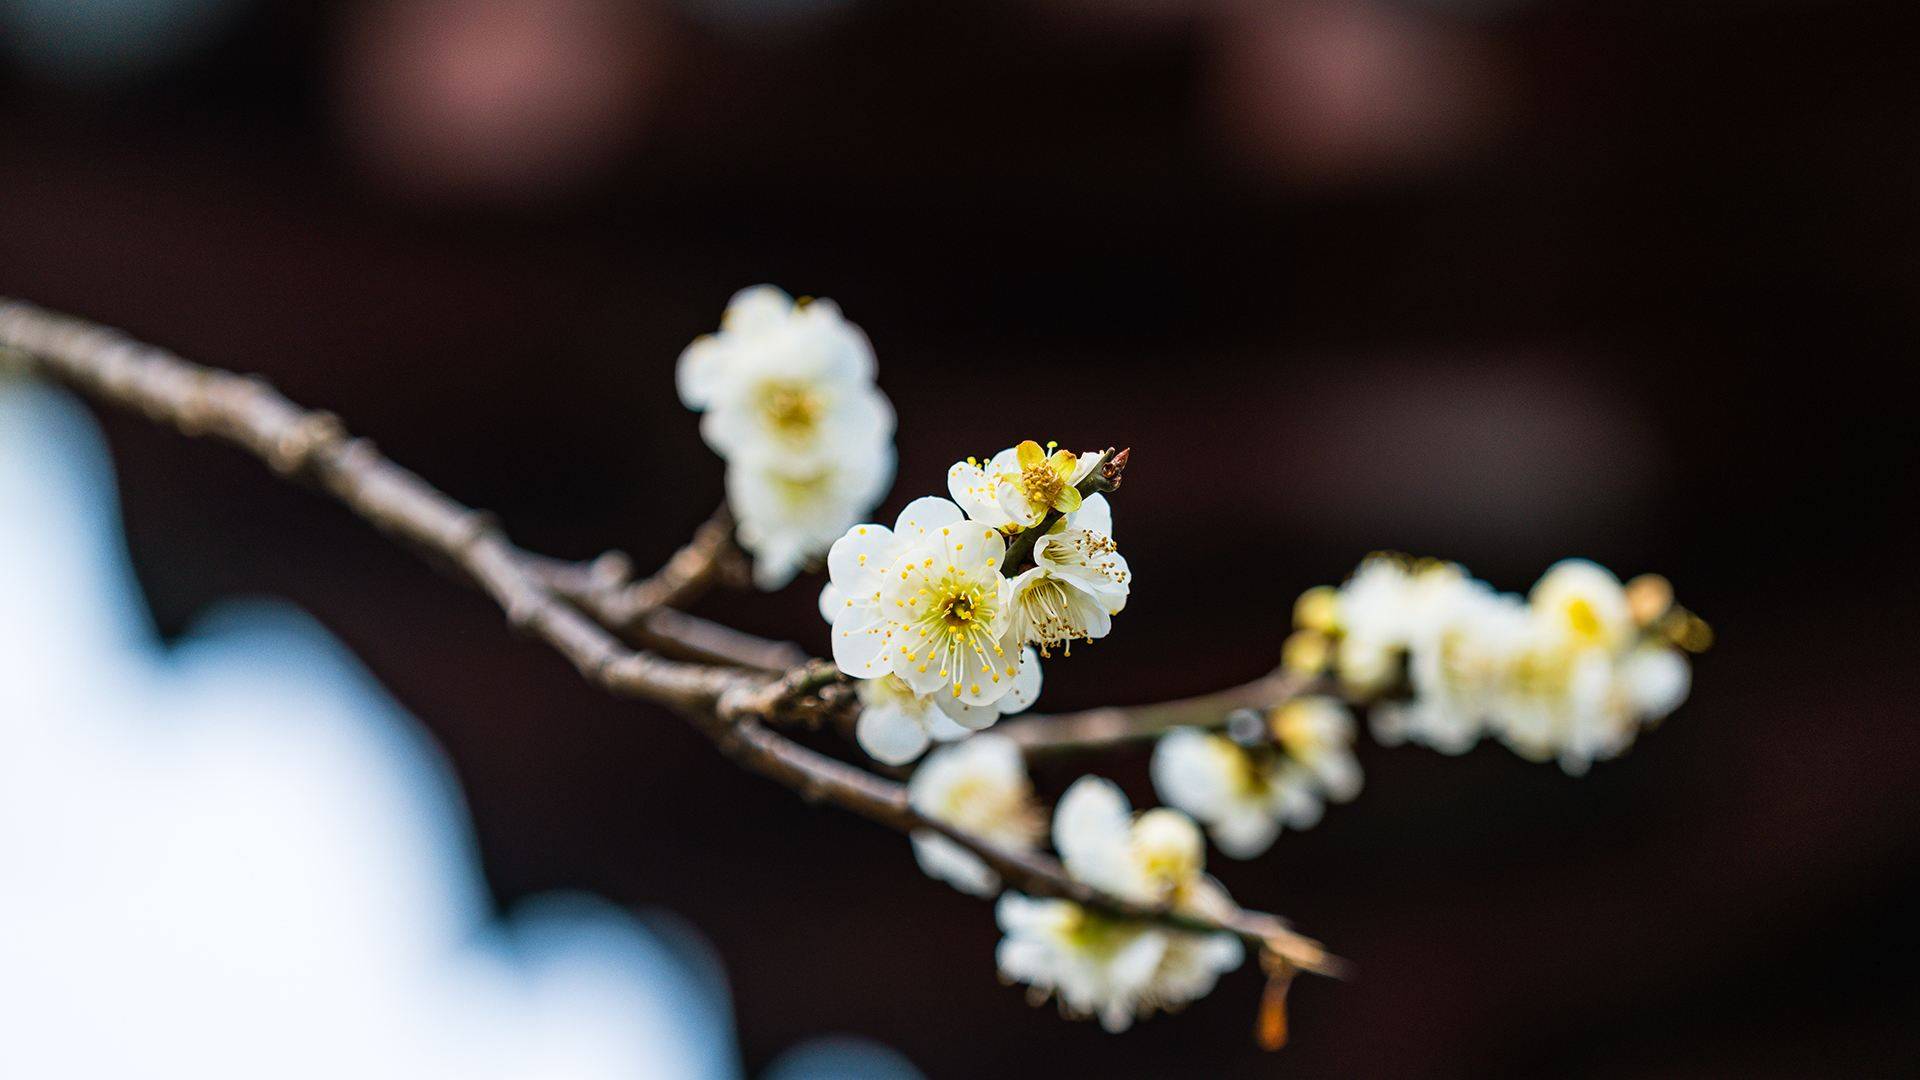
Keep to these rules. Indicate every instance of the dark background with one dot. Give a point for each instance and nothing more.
(1496, 282)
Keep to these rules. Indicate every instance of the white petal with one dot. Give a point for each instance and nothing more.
(1095, 515)
(1657, 680)
(756, 309)
(1339, 774)
(831, 601)
(1193, 770)
(890, 735)
(702, 371)
(860, 643)
(967, 718)
(1244, 834)
(944, 860)
(1092, 830)
(856, 560)
(944, 728)
(924, 515)
(1026, 684)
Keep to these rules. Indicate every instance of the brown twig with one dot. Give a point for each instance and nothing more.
(646, 612)
(1110, 726)
(605, 586)
(727, 703)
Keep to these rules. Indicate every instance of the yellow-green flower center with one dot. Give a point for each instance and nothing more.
(1041, 483)
(792, 409)
(1584, 621)
(960, 610)
(800, 491)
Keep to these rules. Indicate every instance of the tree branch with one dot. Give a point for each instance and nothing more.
(1110, 726)
(646, 612)
(728, 704)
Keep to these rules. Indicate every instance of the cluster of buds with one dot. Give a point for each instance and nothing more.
(1572, 671)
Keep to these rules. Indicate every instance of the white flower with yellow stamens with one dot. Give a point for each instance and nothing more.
(926, 601)
(1095, 965)
(1019, 485)
(1157, 857)
(1098, 965)
(787, 389)
(785, 516)
(1243, 796)
(1580, 605)
(1078, 582)
(1462, 663)
(979, 786)
(1242, 800)
(1378, 613)
(1316, 733)
(789, 383)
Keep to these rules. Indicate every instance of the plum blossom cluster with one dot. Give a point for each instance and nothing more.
(943, 617)
(787, 391)
(1271, 770)
(1095, 965)
(1117, 970)
(1571, 672)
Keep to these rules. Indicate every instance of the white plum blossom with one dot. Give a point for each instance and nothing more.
(1570, 673)
(1245, 796)
(1157, 857)
(788, 397)
(1110, 968)
(1078, 582)
(1015, 489)
(981, 786)
(1580, 605)
(926, 601)
(782, 377)
(1240, 799)
(1461, 660)
(787, 516)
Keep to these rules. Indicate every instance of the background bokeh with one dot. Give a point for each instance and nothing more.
(1500, 282)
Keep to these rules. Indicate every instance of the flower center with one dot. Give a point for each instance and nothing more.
(1049, 614)
(959, 611)
(1097, 935)
(1041, 483)
(1583, 619)
(800, 491)
(791, 408)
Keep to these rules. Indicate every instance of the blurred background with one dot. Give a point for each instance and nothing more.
(1495, 280)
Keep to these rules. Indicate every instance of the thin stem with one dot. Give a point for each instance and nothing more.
(728, 704)
(646, 612)
(1110, 726)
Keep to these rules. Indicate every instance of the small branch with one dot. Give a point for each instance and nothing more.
(726, 703)
(602, 588)
(605, 590)
(1110, 726)
(819, 778)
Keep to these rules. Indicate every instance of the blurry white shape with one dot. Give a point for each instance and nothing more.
(237, 857)
(88, 40)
